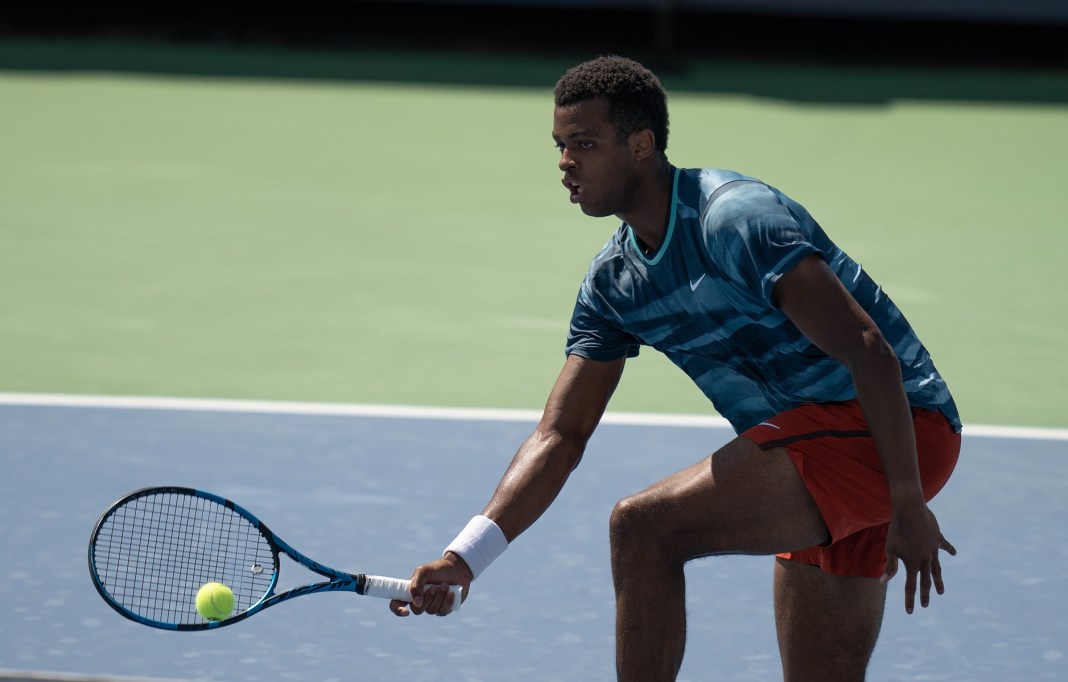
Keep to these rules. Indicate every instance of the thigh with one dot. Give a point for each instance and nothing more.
(841, 467)
(833, 449)
(827, 625)
(740, 500)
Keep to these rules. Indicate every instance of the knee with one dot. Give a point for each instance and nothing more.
(633, 526)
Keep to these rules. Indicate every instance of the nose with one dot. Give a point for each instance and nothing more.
(565, 160)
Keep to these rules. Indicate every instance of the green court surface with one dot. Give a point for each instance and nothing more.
(375, 228)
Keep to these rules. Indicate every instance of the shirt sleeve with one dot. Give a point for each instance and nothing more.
(756, 237)
(593, 336)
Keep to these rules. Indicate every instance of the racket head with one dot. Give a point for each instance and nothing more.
(152, 550)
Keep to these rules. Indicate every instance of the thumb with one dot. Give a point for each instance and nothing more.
(417, 587)
(945, 546)
(891, 566)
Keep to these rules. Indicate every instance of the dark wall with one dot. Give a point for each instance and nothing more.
(945, 32)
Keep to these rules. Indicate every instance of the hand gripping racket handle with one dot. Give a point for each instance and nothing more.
(394, 588)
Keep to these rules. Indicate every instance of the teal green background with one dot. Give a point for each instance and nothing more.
(375, 228)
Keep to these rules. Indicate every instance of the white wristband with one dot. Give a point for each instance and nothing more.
(479, 543)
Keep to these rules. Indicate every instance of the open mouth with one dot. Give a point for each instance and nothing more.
(574, 188)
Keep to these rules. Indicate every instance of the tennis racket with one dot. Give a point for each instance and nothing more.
(152, 550)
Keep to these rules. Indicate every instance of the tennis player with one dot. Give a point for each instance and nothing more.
(845, 428)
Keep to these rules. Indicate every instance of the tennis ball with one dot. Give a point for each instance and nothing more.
(215, 601)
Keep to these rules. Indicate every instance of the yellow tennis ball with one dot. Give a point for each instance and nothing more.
(215, 601)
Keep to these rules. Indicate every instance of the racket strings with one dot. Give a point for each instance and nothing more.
(153, 554)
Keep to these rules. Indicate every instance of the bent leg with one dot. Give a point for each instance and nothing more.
(742, 500)
(827, 624)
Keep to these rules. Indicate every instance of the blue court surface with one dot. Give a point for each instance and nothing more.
(379, 493)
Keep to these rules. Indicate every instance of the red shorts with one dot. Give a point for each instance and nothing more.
(835, 454)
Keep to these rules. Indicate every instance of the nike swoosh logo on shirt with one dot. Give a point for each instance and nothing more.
(696, 283)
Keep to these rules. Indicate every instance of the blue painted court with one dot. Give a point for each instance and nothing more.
(379, 494)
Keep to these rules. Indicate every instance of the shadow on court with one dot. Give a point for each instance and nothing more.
(382, 494)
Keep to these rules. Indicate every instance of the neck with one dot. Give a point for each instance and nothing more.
(649, 216)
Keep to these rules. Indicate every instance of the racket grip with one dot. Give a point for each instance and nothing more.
(395, 588)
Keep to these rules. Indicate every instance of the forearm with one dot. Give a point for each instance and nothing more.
(535, 477)
(544, 461)
(882, 398)
(530, 484)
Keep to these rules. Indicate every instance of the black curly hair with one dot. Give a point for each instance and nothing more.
(636, 99)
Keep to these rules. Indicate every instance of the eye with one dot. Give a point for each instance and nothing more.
(584, 145)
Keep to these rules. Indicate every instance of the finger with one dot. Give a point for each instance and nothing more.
(415, 586)
(415, 610)
(399, 608)
(433, 599)
(446, 601)
(936, 573)
(925, 586)
(910, 590)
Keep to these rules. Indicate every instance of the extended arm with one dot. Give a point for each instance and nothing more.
(815, 301)
(537, 473)
(546, 459)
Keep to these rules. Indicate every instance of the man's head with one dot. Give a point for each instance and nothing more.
(610, 125)
(636, 99)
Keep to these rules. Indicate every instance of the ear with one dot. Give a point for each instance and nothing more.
(643, 144)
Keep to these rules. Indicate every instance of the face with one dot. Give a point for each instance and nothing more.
(599, 170)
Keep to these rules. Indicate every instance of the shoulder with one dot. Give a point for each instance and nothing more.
(729, 206)
(697, 187)
(728, 201)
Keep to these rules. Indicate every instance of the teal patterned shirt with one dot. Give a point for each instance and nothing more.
(704, 299)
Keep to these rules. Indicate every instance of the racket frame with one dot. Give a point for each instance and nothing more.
(339, 581)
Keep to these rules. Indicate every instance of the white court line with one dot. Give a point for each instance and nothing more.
(337, 409)
(417, 412)
(49, 676)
